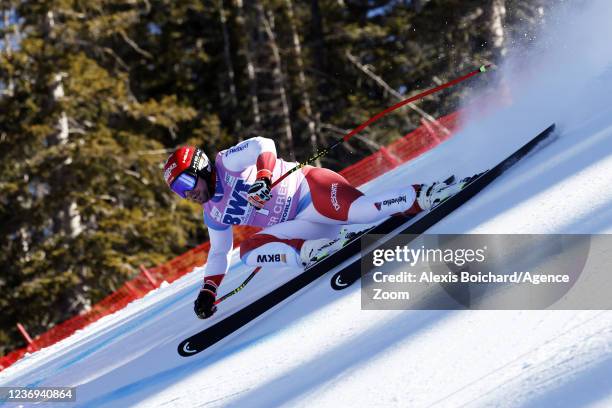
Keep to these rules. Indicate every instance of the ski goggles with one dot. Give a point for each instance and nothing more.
(184, 184)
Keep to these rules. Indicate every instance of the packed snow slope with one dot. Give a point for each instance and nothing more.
(320, 349)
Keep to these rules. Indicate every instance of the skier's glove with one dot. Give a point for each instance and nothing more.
(204, 305)
(259, 192)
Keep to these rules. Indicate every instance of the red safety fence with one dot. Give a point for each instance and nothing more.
(402, 150)
(410, 146)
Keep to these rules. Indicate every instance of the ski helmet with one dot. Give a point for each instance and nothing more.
(184, 167)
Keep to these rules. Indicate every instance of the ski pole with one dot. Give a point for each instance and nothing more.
(324, 151)
(239, 288)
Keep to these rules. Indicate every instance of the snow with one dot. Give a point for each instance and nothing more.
(319, 348)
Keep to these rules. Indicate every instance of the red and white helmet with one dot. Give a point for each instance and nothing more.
(187, 163)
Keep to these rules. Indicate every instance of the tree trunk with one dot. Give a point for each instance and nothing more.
(57, 90)
(297, 50)
(227, 56)
(496, 16)
(278, 78)
(6, 23)
(242, 24)
(69, 219)
(8, 50)
(316, 26)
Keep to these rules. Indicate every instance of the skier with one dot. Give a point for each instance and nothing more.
(301, 217)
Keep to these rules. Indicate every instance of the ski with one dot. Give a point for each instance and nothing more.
(351, 273)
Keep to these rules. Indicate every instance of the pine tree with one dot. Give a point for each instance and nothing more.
(82, 201)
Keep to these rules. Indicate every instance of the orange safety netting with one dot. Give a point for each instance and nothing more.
(410, 146)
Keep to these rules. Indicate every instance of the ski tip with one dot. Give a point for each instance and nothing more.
(450, 179)
(483, 68)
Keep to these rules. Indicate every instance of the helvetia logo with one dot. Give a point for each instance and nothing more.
(236, 149)
(386, 203)
(272, 258)
(334, 196)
